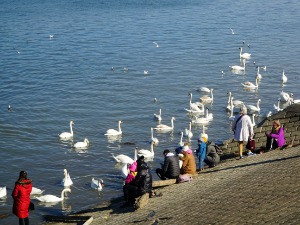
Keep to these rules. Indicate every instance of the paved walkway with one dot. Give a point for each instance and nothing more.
(262, 189)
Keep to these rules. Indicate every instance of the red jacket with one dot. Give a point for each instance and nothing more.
(21, 196)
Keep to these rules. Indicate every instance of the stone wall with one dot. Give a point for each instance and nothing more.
(289, 119)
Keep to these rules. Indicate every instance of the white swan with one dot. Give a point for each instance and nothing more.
(209, 115)
(97, 184)
(231, 117)
(244, 55)
(228, 107)
(153, 139)
(158, 116)
(124, 158)
(204, 89)
(258, 75)
(253, 108)
(146, 153)
(203, 134)
(113, 131)
(285, 97)
(181, 143)
(66, 181)
(188, 131)
(239, 68)
(283, 77)
(165, 127)
(208, 99)
(67, 135)
(81, 144)
(124, 170)
(196, 107)
(200, 120)
(36, 191)
(3, 192)
(277, 107)
(253, 120)
(53, 198)
(250, 85)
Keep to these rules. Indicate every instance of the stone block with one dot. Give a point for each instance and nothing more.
(297, 138)
(258, 135)
(290, 129)
(295, 133)
(284, 121)
(290, 124)
(279, 116)
(294, 119)
(297, 123)
(257, 130)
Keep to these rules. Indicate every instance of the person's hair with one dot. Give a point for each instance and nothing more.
(166, 151)
(277, 122)
(243, 110)
(22, 176)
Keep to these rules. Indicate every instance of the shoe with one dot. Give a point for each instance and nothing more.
(241, 157)
(251, 154)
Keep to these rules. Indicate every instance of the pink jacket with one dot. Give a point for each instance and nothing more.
(279, 136)
(130, 177)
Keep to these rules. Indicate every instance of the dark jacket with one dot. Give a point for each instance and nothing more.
(171, 166)
(143, 179)
(212, 158)
(21, 196)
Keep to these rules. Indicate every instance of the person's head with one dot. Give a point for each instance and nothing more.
(243, 110)
(23, 175)
(276, 123)
(166, 152)
(202, 138)
(185, 147)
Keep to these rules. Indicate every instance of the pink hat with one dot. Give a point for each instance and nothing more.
(132, 167)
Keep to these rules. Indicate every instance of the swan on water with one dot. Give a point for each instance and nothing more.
(53, 198)
(258, 75)
(67, 135)
(66, 181)
(244, 55)
(81, 144)
(208, 99)
(36, 191)
(232, 32)
(124, 158)
(239, 68)
(250, 85)
(197, 107)
(158, 116)
(113, 131)
(146, 153)
(253, 120)
(181, 143)
(165, 127)
(283, 77)
(3, 192)
(188, 131)
(231, 117)
(153, 139)
(97, 184)
(204, 89)
(253, 108)
(277, 107)
(285, 97)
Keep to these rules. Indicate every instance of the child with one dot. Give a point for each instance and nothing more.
(132, 173)
(201, 152)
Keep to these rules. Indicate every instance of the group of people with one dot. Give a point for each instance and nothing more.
(243, 132)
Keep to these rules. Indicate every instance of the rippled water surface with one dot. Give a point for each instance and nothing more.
(49, 81)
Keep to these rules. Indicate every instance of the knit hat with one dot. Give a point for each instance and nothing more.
(185, 148)
(132, 167)
(204, 137)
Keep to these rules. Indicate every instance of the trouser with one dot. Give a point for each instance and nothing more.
(130, 193)
(160, 173)
(271, 143)
(24, 221)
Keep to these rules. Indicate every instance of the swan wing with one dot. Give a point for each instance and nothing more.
(48, 198)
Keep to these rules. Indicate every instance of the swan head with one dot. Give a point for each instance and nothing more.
(173, 119)
(67, 190)
(71, 122)
(86, 141)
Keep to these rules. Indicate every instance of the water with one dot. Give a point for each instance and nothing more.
(50, 81)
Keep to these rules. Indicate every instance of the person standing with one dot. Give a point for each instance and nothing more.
(170, 169)
(201, 152)
(21, 196)
(242, 128)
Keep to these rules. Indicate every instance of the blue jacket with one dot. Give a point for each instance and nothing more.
(201, 152)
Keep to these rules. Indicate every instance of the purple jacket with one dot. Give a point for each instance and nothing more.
(279, 137)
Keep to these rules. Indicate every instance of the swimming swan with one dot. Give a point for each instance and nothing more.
(284, 77)
(239, 68)
(196, 107)
(81, 144)
(36, 191)
(124, 158)
(165, 127)
(181, 143)
(250, 85)
(113, 131)
(188, 131)
(253, 108)
(53, 198)
(153, 139)
(206, 98)
(146, 153)
(3, 192)
(204, 89)
(67, 135)
(158, 116)
(97, 184)
(66, 181)
(258, 75)
(244, 55)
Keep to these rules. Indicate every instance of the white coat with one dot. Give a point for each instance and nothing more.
(243, 128)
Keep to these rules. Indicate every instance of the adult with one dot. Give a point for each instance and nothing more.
(188, 159)
(242, 128)
(275, 137)
(21, 196)
(212, 158)
(170, 168)
(143, 178)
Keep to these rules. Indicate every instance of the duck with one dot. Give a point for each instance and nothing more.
(67, 135)
(208, 99)
(283, 77)
(146, 153)
(153, 140)
(36, 191)
(81, 144)
(3, 192)
(244, 55)
(250, 85)
(113, 131)
(97, 184)
(188, 131)
(165, 127)
(258, 75)
(239, 68)
(158, 116)
(253, 108)
(124, 158)
(66, 181)
(53, 198)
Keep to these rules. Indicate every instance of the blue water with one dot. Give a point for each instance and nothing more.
(50, 81)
